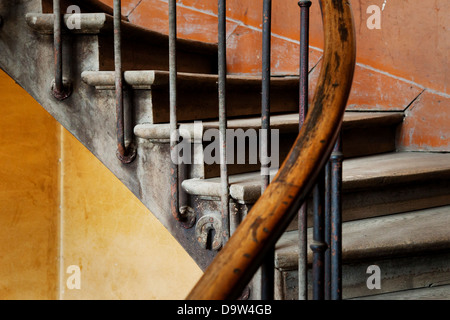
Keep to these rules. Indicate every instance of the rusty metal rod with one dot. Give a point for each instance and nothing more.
(265, 92)
(336, 220)
(328, 230)
(123, 154)
(303, 110)
(57, 46)
(318, 246)
(174, 202)
(184, 214)
(268, 267)
(59, 89)
(222, 78)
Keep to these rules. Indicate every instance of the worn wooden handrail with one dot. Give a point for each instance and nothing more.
(236, 263)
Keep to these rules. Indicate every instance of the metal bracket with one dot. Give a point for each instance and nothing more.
(187, 217)
(65, 92)
(204, 225)
(129, 157)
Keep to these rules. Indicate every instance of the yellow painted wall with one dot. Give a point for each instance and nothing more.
(57, 200)
(29, 197)
(122, 250)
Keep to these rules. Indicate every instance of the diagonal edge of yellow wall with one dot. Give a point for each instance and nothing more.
(61, 207)
(29, 201)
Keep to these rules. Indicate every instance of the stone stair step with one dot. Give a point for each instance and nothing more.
(282, 122)
(364, 133)
(411, 249)
(372, 185)
(432, 293)
(198, 98)
(415, 232)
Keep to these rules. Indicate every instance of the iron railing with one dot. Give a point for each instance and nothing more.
(303, 110)
(306, 168)
(222, 85)
(268, 267)
(60, 89)
(126, 154)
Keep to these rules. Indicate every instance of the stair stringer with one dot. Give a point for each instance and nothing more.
(89, 114)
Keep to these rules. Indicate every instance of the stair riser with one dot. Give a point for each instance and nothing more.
(391, 199)
(143, 55)
(368, 203)
(201, 102)
(396, 275)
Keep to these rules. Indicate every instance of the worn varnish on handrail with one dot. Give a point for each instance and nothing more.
(236, 263)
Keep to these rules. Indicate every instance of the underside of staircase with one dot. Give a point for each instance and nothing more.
(396, 204)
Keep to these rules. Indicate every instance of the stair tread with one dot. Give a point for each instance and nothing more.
(431, 293)
(283, 122)
(362, 172)
(185, 80)
(413, 232)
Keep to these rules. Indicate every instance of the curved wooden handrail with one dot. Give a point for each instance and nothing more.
(236, 263)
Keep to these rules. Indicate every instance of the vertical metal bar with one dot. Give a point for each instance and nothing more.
(222, 78)
(184, 214)
(328, 230)
(265, 101)
(268, 266)
(122, 153)
(318, 245)
(59, 90)
(57, 44)
(303, 110)
(174, 203)
(336, 220)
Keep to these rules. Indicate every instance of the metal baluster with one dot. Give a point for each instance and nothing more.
(328, 230)
(184, 214)
(268, 267)
(336, 220)
(303, 110)
(174, 204)
(123, 154)
(60, 89)
(318, 245)
(222, 61)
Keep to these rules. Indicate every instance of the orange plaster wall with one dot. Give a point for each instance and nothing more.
(426, 126)
(412, 43)
(396, 63)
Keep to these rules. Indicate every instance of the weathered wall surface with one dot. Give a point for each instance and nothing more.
(412, 42)
(123, 251)
(61, 207)
(405, 57)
